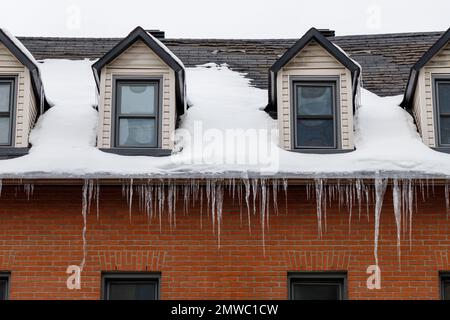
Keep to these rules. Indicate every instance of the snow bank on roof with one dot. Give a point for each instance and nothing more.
(223, 101)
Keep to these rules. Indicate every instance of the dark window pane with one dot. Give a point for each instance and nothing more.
(445, 130)
(317, 291)
(132, 291)
(137, 132)
(446, 287)
(137, 98)
(315, 133)
(5, 130)
(3, 288)
(314, 100)
(5, 97)
(444, 97)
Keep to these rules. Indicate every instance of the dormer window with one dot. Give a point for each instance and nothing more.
(141, 87)
(427, 95)
(312, 91)
(6, 110)
(442, 95)
(137, 115)
(315, 114)
(22, 97)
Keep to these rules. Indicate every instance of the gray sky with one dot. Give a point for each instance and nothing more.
(221, 19)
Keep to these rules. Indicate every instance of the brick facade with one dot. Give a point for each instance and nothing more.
(41, 237)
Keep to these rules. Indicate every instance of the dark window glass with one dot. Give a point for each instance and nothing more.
(6, 100)
(3, 288)
(314, 100)
(312, 287)
(315, 125)
(131, 287)
(445, 287)
(137, 114)
(315, 133)
(443, 102)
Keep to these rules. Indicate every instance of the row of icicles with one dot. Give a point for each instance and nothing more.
(160, 199)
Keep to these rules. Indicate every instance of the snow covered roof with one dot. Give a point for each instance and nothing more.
(26, 58)
(226, 133)
(64, 138)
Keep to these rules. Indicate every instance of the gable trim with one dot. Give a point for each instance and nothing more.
(36, 81)
(415, 70)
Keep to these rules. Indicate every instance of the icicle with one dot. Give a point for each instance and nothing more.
(380, 189)
(285, 187)
(319, 192)
(350, 206)
(396, 197)
(255, 193)
(275, 195)
(247, 202)
(201, 208)
(84, 211)
(130, 197)
(29, 189)
(263, 213)
(410, 206)
(359, 196)
(219, 211)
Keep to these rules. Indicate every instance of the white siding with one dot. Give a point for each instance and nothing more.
(138, 60)
(25, 108)
(423, 104)
(314, 60)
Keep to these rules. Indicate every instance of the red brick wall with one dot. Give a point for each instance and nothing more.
(41, 237)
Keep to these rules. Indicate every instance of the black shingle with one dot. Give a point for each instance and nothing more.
(385, 59)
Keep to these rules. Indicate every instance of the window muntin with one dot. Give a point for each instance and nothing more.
(6, 111)
(443, 111)
(315, 116)
(4, 286)
(137, 109)
(130, 287)
(317, 286)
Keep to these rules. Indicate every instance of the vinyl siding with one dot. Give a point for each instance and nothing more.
(25, 108)
(137, 61)
(423, 100)
(314, 60)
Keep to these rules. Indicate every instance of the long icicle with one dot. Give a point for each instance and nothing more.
(380, 189)
(396, 197)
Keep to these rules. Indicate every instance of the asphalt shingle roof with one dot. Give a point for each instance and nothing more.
(385, 59)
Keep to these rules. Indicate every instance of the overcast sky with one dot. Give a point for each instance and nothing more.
(221, 19)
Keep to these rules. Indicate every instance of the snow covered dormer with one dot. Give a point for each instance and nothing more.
(22, 96)
(312, 90)
(141, 86)
(427, 95)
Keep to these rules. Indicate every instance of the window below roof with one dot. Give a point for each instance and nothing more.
(137, 109)
(442, 107)
(317, 286)
(4, 286)
(315, 115)
(134, 286)
(7, 88)
(445, 285)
